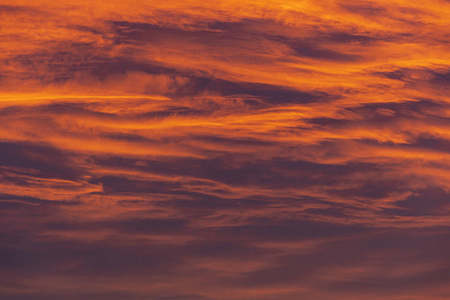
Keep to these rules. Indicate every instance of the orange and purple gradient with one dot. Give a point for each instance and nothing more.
(224, 150)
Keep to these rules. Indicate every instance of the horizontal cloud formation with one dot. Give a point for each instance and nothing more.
(217, 150)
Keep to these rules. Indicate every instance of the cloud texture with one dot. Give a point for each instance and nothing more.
(224, 150)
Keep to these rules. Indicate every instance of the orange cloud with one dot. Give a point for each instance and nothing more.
(224, 150)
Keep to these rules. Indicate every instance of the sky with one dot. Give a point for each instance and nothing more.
(224, 150)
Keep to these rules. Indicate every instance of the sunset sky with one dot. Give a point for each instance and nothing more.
(224, 150)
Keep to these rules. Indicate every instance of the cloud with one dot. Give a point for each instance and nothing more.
(224, 150)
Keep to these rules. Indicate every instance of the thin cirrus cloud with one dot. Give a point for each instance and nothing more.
(224, 150)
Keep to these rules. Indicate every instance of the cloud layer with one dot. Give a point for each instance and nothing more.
(216, 150)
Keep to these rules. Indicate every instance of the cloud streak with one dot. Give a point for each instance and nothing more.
(224, 150)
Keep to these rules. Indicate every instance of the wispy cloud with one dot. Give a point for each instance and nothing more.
(224, 150)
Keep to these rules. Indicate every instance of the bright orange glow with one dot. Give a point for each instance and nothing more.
(219, 150)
